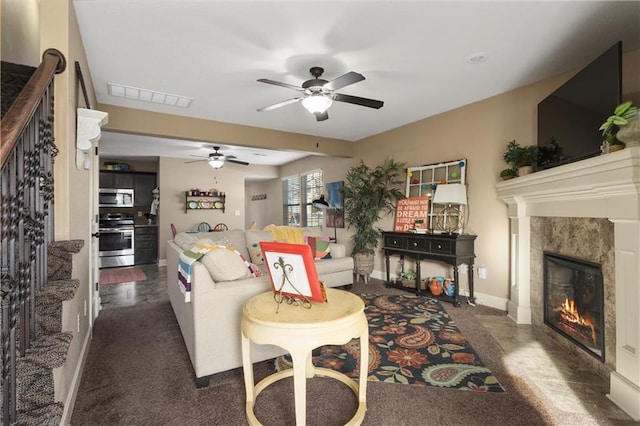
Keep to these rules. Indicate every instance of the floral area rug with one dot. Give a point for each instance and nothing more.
(412, 340)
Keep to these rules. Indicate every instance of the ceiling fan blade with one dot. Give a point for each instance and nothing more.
(196, 161)
(244, 163)
(344, 81)
(321, 116)
(371, 103)
(278, 83)
(279, 104)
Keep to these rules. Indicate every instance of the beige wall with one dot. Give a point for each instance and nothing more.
(175, 177)
(267, 211)
(21, 32)
(72, 186)
(127, 120)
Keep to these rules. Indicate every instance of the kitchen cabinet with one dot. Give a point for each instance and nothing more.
(116, 180)
(146, 244)
(142, 184)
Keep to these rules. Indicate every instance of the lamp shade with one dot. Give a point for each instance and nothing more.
(320, 203)
(216, 163)
(452, 193)
(317, 102)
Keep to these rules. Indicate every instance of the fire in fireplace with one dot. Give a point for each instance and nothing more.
(574, 301)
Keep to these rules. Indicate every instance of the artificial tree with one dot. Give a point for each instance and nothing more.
(368, 194)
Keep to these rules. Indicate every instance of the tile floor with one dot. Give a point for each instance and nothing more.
(569, 387)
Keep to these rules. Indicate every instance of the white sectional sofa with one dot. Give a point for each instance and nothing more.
(210, 321)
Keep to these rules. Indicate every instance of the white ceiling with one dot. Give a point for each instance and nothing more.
(414, 56)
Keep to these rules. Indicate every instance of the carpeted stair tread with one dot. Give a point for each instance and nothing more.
(49, 305)
(50, 414)
(57, 291)
(34, 385)
(59, 261)
(50, 351)
(14, 79)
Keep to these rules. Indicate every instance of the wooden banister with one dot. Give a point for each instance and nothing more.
(20, 113)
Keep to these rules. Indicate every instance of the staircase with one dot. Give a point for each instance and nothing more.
(35, 389)
(35, 271)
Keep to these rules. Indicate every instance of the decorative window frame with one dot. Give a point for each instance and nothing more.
(422, 181)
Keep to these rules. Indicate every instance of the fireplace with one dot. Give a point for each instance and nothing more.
(604, 188)
(574, 301)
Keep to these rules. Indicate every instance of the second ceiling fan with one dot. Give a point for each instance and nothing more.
(318, 94)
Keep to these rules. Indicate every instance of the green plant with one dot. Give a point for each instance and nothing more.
(519, 156)
(367, 194)
(620, 117)
(549, 154)
(409, 274)
(508, 173)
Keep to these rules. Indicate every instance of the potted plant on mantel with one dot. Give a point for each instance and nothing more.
(520, 158)
(623, 127)
(367, 194)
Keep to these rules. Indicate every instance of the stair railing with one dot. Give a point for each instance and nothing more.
(26, 216)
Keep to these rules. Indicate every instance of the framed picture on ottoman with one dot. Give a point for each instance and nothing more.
(292, 272)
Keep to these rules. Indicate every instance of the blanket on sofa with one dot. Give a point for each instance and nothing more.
(185, 265)
(286, 234)
(221, 267)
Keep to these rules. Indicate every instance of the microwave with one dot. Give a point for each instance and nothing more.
(111, 197)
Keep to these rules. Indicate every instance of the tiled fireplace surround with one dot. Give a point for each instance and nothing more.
(589, 210)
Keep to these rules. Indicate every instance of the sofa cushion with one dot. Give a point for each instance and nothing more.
(255, 253)
(254, 237)
(329, 266)
(226, 264)
(185, 240)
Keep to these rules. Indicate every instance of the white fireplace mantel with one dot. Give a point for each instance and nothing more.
(607, 186)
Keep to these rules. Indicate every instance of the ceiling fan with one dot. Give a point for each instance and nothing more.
(217, 159)
(318, 94)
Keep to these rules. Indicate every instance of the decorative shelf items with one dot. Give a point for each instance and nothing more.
(204, 200)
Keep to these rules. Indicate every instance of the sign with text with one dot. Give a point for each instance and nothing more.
(409, 210)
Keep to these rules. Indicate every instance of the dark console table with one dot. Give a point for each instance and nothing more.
(452, 249)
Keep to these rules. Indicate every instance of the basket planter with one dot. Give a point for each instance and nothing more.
(363, 264)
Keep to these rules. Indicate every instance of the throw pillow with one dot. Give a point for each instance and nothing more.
(255, 254)
(319, 247)
(255, 269)
(226, 264)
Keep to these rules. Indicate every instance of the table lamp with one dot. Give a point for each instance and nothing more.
(450, 219)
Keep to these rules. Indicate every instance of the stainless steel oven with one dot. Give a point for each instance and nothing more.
(116, 247)
(111, 197)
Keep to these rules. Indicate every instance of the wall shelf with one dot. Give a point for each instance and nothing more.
(204, 202)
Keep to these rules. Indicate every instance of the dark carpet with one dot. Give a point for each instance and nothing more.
(413, 341)
(138, 373)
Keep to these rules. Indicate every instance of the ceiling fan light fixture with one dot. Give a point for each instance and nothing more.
(216, 163)
(317, 103)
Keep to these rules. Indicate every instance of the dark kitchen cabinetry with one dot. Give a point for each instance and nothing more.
(146, 244)
(117, 180)
(142, 184)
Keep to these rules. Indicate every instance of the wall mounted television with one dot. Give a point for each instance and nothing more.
(569, 118)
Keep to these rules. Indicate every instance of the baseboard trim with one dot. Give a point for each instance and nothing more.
(162, 262)
(69, 404)
(481, 299)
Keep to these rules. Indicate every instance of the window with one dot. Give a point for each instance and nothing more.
(298, 193)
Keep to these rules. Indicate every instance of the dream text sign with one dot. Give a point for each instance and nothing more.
(409, 210)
